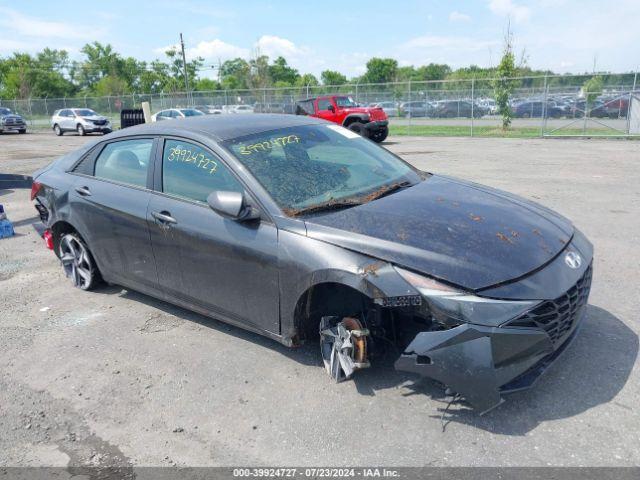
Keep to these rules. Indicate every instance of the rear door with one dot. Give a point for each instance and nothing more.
(225, 267)
(66, 120)
(109, 203)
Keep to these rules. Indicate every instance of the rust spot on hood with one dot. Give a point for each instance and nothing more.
(504, 238)
(371, 269)
(475, 218)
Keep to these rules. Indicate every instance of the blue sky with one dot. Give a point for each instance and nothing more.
(562, 35)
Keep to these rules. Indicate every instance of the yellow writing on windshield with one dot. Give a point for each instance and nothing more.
(267, 145)
(198, 160)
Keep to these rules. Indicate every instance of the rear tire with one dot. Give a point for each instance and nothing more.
(22, 131)
(77, 262)
(358, 128)
(58, 131)
(80, 130)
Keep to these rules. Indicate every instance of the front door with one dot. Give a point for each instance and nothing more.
(227, 267)
(323, 111)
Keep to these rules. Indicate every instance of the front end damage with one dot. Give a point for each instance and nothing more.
(478, 347)
(483, 362)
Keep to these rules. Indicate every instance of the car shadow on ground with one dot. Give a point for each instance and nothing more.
(306, 354)
(591, 372)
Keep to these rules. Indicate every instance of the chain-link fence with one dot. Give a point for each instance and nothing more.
(553, 105)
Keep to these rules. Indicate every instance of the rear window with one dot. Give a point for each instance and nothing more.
(305, 107)
(125, 162)
(190, 112)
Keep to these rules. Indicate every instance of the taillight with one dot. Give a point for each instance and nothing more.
(48, 239)
(35, 188)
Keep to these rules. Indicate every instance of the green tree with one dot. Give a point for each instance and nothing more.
(281, 72)
(234, 74)
(176, 81)
(307, 79)
(259, 73)
(331, 77)
(110, 85)
(381, 70)
(206, 85)
(504, 84)
(592, 89)
(433, 71)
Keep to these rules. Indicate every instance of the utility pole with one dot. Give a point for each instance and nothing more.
(184, 66)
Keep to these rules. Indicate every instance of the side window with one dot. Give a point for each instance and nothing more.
(192, 172)
(323, 104)
(126, 161)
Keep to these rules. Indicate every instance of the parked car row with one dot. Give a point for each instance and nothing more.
(85, 120)
(571, 106)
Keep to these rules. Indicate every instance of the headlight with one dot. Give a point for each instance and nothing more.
(449, 306)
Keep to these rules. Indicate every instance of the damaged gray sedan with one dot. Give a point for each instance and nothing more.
(303, 231)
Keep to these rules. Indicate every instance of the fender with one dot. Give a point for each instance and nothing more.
(327, 263)
(361, 117)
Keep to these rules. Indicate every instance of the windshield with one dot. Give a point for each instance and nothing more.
(4, 111)
(306, 166)
(345, 102)
(85, 112)
(189, 112)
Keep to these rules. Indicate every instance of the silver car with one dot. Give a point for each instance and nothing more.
(390, 108)
(80, 120)
(173, 113)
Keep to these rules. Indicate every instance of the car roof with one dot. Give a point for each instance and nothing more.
(221, 127)
(330, 95)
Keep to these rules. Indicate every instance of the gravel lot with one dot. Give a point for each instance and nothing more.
(115, 377)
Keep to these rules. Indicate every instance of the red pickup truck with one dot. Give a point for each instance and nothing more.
(370, 122)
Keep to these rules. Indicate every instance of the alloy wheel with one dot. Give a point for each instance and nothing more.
(76, 262)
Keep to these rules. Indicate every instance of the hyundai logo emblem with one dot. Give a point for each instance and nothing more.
(573, 260)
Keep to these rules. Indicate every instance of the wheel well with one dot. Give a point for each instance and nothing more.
(349, 120)
(327, 299)
(59, 229)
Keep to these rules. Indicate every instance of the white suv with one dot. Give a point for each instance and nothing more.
(81, 120)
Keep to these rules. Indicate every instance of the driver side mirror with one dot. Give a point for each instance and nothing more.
(232, 205)
(331, 108)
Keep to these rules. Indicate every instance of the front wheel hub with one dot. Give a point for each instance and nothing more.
(343, 344)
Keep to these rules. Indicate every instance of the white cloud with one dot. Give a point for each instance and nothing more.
(459, 17)
(216, 49)
(506, 8)
(209, 50)
(27, 26)
(274, 46)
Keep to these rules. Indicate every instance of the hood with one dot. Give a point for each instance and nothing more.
(375, 113)
(463, 233)
(94, 117)
(11, 115)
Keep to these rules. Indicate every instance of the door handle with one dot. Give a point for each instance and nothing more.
(84, 191)
(163, 217)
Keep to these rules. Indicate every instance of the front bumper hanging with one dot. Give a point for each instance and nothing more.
(481, 363)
